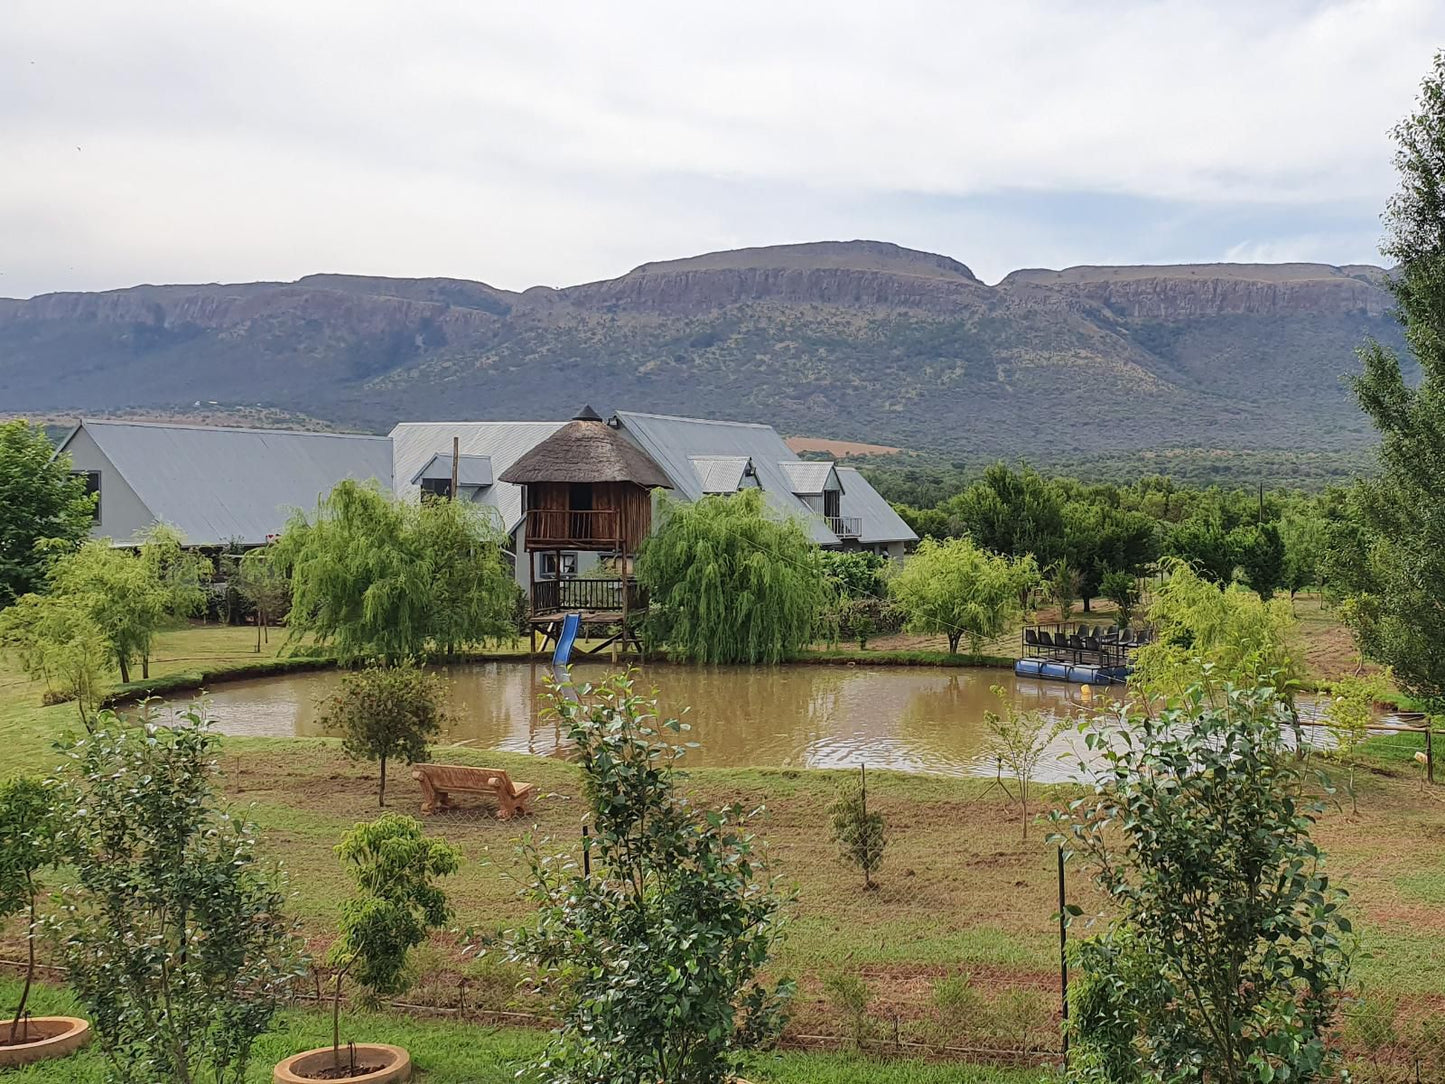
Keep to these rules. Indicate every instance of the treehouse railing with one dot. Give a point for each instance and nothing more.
(587, 596)
(573, 529)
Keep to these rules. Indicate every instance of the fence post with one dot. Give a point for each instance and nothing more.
(1063, 959)
(1429, 751)
(586, 854)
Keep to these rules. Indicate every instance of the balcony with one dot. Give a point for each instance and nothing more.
(844, 526)
(587, 596)
(574, 529)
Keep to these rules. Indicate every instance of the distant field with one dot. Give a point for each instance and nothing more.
(840, 448)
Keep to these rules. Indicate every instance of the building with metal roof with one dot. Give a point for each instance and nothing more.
(214, 484)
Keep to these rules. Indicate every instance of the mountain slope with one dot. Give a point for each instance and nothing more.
(855, 340)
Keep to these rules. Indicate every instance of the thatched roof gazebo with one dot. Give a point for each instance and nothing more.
(587, 487)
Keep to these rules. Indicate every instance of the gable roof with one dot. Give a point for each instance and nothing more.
(587, 449)
(414, 443)
(720, 473)
(672, 441)
(878, 521)
(216, 484)
(472, 470)
(809, 477)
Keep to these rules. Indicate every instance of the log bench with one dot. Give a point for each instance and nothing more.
(440, 781)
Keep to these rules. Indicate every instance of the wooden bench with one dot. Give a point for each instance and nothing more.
(439, 781)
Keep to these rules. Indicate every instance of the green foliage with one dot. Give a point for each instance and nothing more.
(653, 963)
(1227, 950)
(56, 641)
(955, 589)
(730, 582)
(1212, 637)
(1064, 582)
(1122, 589)
(1100, 535)
(1399, 567)
(1205, 544)
(1304, 531)
(43, 508)
(260, 580)
(27, 845)
(1260, 553)
(173, 931)
(1349, 711)
(382, 579)
(856, 573)
(849, 995)
(1017, 742)
(387, 713)
(395, 903)
(859, 833)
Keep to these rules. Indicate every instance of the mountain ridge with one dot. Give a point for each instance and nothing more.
(857, 340)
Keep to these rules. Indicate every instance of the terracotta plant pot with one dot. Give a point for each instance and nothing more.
(50, 1037)
(393, 1064)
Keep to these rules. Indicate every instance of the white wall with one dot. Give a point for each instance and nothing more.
(122, 515)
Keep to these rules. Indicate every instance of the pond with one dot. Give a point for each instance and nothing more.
(909, 718)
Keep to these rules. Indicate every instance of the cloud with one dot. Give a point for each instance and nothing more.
(559, 142)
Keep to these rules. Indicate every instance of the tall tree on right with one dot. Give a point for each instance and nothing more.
(1397, 583)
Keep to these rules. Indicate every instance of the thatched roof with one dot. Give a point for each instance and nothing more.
(587, 449)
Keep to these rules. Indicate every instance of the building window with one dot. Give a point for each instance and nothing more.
(92, 485)
(436, 487)
(552, 562)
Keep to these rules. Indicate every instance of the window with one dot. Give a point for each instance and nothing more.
(436, 487)
(550, 565)
(92, 485)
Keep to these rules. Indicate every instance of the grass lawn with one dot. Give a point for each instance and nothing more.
(445, 1052)
(960, 890)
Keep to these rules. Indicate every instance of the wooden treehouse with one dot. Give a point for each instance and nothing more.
(587, 491)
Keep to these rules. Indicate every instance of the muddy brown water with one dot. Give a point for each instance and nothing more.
(917, 719)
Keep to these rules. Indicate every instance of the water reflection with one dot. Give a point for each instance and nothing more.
(921, 719)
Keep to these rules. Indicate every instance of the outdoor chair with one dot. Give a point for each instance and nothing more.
(1031, 638)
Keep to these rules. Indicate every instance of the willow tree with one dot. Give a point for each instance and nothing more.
(955, 589)
(384, 579)
(731, 582)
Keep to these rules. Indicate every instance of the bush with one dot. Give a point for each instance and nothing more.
(653, 962)
(850, 995)
(174, 930)
(859, 834)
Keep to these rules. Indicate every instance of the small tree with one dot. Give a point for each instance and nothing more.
(1018, 741)
(396, 904)
(1065, 581)
(859, 833)
(654, 961)
(956, 589)
(57, 642)
(731, 582)
(1348, 714)
(44, 508)
(1228, 949)
(27, 845)
(387, 713)
(261, 582)
(1261, 555)
(1122, 589)
(174, 931)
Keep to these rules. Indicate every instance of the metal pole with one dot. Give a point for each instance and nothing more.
(456, 455)
(1063, 958)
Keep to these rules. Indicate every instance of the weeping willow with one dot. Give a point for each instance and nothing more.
(730, 583)
(386, 580)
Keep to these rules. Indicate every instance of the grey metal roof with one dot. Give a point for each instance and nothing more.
(879, 522)
(809, 478)
(216, 484)
(673, 441)
(413, 443)
(472, 470)
(720, 473)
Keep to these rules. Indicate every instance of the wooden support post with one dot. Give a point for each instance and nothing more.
(1063, 958)
(456, 456)
(1429, 752)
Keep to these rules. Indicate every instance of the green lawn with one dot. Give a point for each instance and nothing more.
(449, 1052)
(959, 891)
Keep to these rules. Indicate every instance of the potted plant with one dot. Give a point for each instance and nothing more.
(393, 909)
(28, 845)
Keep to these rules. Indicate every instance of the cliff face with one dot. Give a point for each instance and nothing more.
(861, 340)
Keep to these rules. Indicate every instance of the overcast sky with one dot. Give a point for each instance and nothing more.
(556, 142)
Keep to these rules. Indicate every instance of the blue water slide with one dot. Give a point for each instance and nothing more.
(563, 655)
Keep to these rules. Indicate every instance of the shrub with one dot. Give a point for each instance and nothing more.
(859, 834)
(849, 995)
(653, 963)
(1122, 589)
(174, 932)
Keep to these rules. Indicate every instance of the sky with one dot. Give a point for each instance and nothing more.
(553, 143)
